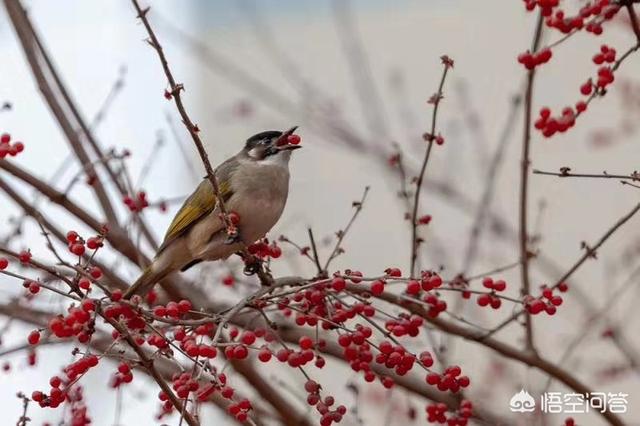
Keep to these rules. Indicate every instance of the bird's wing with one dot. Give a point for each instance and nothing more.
(197, 206)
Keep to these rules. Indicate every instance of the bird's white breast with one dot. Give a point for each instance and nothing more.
(260, 193)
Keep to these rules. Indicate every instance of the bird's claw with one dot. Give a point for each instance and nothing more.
(252, 268)
(233, 239)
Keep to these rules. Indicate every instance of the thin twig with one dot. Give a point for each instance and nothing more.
(589, 253)
(175, 92)
(566, 172)
(337, 249)
(525, 163)
(431, 136)
(314, 250)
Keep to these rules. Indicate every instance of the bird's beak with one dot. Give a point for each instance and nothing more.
(282, 144)
(289, 147)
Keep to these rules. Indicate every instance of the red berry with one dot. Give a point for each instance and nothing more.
(305, 342)
(34, 337)
(499, 285)
(413, 287)
(293, 139)
(264, 355)
(84, 283)
(484, 299)
(4, 263)
(25, 256)
(96, 273)
(377, 287)
(77, 249)
(116, 295)
(338, 284)
(72, 236)
(34, 287)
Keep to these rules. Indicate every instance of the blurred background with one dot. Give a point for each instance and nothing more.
(356, 76)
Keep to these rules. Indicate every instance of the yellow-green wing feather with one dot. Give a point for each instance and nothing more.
(197, 206)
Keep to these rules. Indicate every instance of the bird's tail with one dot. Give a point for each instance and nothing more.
(149, 277)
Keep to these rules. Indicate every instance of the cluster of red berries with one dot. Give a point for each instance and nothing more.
(77, 245)
(79, 322)
(430, 280)
(323, 406)
(189, 344)
(295, 359)
(438, 139)
(405, 325)
(79, 415)
(547, 302)
(312, 306)
(122, 376)
(437, 413)
(450, 380)
(240, 410)
(605, 8)
(605, 77)
(80, 367)
(173, 309)
(564, 24)
(136, 203)
(9, 149)
(546, 6)
(263, 249)
(32, 286)
(490, 299)
(396, 357)
(606, 54)
(532, 60)
(567, 24)
(549, 125)
(437, 306)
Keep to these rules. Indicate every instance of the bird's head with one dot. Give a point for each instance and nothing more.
(272, 146)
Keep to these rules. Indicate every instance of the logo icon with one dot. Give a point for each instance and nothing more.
(522, 402)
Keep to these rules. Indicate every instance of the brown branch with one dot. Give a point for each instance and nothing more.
(525, 357)
(566, 172)
(524, 184)
(52, 90)
(175, 92)
(115, 236)
(148, 364)
(114, 280)
(337, 249)
(430, 140)
(634, 20)
(588, 254)
(314, 250)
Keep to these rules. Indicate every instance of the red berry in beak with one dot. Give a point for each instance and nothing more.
(293, 139)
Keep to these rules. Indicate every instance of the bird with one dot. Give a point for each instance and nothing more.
(254, 185)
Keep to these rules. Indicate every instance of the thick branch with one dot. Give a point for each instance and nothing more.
(56, 98)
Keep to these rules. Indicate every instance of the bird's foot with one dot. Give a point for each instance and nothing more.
(252, 266)
(233, 239)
